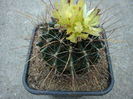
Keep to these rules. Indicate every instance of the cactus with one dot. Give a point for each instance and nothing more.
(67, 57)
(72, 41)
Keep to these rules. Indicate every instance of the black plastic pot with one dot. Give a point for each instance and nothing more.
(68, 93)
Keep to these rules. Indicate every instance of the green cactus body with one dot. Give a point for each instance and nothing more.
(67, 57)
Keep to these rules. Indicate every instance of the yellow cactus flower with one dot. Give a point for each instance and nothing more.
(74, 18)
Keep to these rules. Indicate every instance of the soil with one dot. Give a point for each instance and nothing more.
(41, 77)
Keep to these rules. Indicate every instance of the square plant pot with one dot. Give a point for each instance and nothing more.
(68, 93)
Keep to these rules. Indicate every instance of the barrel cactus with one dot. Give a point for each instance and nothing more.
(71, 42)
